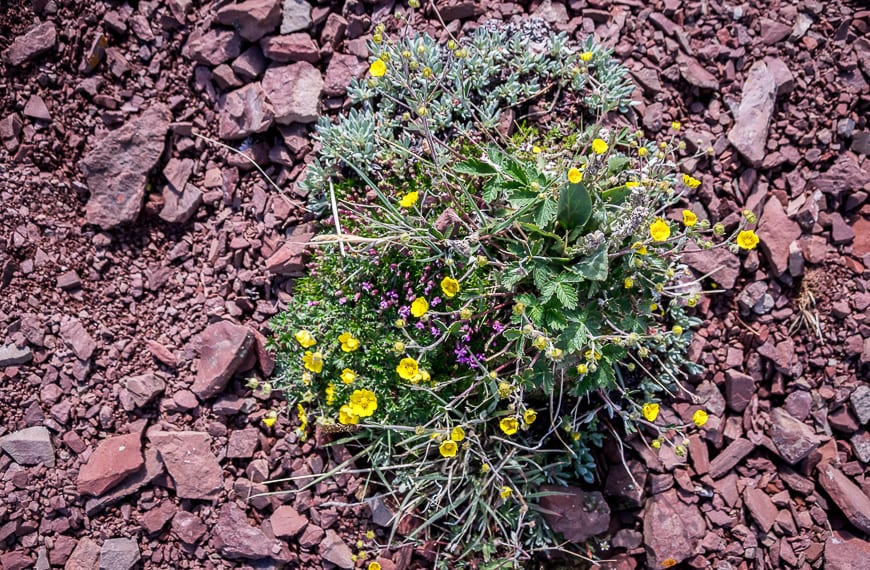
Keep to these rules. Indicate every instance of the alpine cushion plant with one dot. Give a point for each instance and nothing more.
(481, 308)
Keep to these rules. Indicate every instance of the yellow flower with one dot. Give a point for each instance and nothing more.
(399, 346)
(348, 342)
(504, 389)
(313, 361)
(421, 376)
(677, 330)
(465, 313)
(448, 448)
(676, 125)
(650, 411)
(457, 434)
(660, 230)
(691, 182)
(407, 368)
(303, 417)
(330, 394)
(363, 403)
(587, 56)
(270, 418)
(632, 184)
(574, 175)
(529, 417)
(639, 247)
(642, 151)
(628, 283)
(509, 425)
(305, 339)
(378, 68)
(450, 286)
(536, 150)
(747, 239)
(400, 323)
(540, 342)
(582, 368)
(373, 565)
(689, 218)
(409, 199)
(656, 443)
(700, 418)
(346, 416)
(419, 307)
(599, 146)
(348, 376)
(505, 492)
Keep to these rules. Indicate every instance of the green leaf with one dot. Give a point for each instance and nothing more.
(575, 337)
(575, 206)
(566, 294)
(491, 191)
(545, 213)
(594, 267)
(616, 195)
(475, 167)
(617, 164)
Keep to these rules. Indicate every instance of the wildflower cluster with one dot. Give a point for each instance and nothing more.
(476, 301)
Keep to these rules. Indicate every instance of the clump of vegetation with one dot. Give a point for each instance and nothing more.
(479, 306)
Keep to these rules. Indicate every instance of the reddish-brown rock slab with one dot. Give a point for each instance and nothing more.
(111, 462)
(188, 527)
(846, 552)
(333, 549)
(793, 439)
(154, 519)
(287, 522)
(762, 509)
(191, 464)
(776, 232)
(846, 494)
(722, 265)
(86, 555)
(752, 119)
(290, 258)
(577, 514)
(672, 530)
(29, 446)
(32, 44)
(243, 443)
(730, 456)
(130, 485)
(118, 165)
(739, 389)
(119, 554)
(252, 18)
(294, 91)
(225, 346)
(236, 539)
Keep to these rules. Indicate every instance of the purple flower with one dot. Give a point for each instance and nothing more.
(435, 302)
(497, 327)
(404, 312)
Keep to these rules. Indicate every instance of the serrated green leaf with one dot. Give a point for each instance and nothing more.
(566, 294)
(475, 167)
(545, 213)
(617, 164)
(593, 267)
(575, 206)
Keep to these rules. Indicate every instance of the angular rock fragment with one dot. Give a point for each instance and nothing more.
(191, 464)
(776, 232)
(236, 539)
(749, 133)
(29, 446)
(32, 44)
(11, 355)
(577, 514)
(119, 554)
(793, 439)
(253, 18)
(294, 92)
(111, 462)
(225, 346)
(117, 167)
(333, 549)
(847, 495)
(846, 552)
(672, 529)
(213, 47)
(730, 456)
(144, 388)
(295, 16)
(244, 112)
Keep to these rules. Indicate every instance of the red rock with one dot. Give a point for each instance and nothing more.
(761, 508)
(730, 456)
(311, 537)
(724, 265)
(846, 494)
(846, 552)
(265, 358)
(793, 439)
(86, 556)
(29, 446)
(224, 348)
(576, 514)
(460, 10)
(144, 388)
(342, 69)
(294, 92)
(773, 32)
(188, 527)
(243, 443)
(162, 354)
(118, 166)
(695, 74)
(236, 539)
(119, 554)
(844, 176)
(155, 519)
(333, 30)
(244, 112)
(77, 337)
(292, 47)
(333, 549)
(15, 560)
(841, 232)
(179, 207)
(739, 389)
(842, 420)
(191, 464)
(111, 462)
(62, 549)
(671, 529)
(32, 44)
(627, 489)
(290, 258)
(776, 232)
(252, 18)
(213, 47)
(36, 109)
(286, 522)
